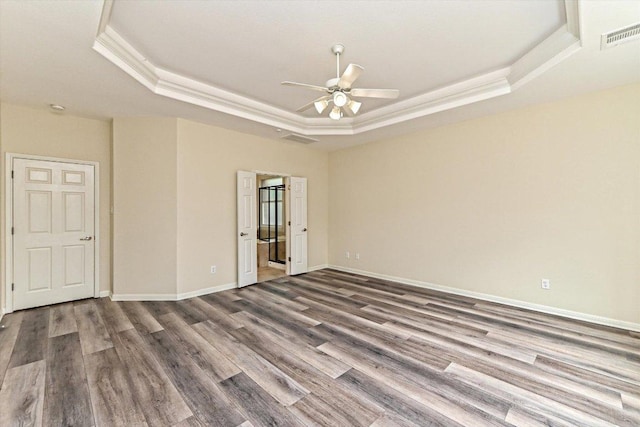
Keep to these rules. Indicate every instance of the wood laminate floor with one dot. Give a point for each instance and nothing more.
(324, 348)
(269, 273)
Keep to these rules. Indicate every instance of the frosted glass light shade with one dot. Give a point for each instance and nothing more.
(335, 113)
(354, 106)
(321, 105)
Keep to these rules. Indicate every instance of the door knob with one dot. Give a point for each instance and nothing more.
(243, 234)
(304, 229)
(87, 238)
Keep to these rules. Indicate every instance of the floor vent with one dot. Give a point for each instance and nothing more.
(623, 35)
(300, 138)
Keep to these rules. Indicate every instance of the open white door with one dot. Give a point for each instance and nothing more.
(247, 229)
(297, 220)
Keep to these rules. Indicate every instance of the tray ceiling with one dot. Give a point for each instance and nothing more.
(221, 62)
(250, 47)
(232, 56)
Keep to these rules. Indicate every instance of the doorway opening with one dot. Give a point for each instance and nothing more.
(254, 221)
(272, 230)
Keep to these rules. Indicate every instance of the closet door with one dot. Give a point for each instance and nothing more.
(53, 243)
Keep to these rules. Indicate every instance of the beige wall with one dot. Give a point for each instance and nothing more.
(490, 205)
(496, 204)
(174, 187)
(26, 130)
(208, 158)
(144, 201)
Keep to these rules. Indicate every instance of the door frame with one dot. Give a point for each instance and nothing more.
(8, 215)
(285, 177)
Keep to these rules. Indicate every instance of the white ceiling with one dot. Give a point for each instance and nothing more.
(221, 62)
(249, 47)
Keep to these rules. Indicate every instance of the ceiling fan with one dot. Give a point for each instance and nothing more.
(339, 91)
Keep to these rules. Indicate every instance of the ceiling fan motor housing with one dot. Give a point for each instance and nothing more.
(332, 83)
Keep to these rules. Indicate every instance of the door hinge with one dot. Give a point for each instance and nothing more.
(12, 231)
(289, 259)
(11, 174)
(13, 287)
(289, 223)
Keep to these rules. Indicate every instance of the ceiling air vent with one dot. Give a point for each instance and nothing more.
(299, 138)
(623, 35)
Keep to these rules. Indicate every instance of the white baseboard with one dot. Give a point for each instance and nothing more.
(318, 267)
(606, 321)
(173, 297)
(178, 297)
(143, 297)
(105, 294)
(207, 291)
(1, 314)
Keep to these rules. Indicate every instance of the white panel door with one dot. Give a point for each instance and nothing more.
(247, 229)
(297, 236)
(53, 241)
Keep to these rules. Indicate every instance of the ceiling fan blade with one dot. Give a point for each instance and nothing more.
(375, 93)
(349, 76)
(312, 87)
(309, 105)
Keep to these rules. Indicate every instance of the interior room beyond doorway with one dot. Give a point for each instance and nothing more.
(272, 235)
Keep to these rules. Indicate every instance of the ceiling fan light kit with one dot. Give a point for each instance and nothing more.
(336, 113)
(339, 90)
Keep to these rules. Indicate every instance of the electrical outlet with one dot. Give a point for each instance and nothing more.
(357, 256)
(347, 255)
(545, 283)
(213, 269)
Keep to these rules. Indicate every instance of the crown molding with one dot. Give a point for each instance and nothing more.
(466, 92)
(551, 51)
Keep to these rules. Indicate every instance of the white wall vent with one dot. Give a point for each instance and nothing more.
(299, 138)
(623, 35)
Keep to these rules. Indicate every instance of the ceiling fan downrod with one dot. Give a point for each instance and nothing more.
(337, 50)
